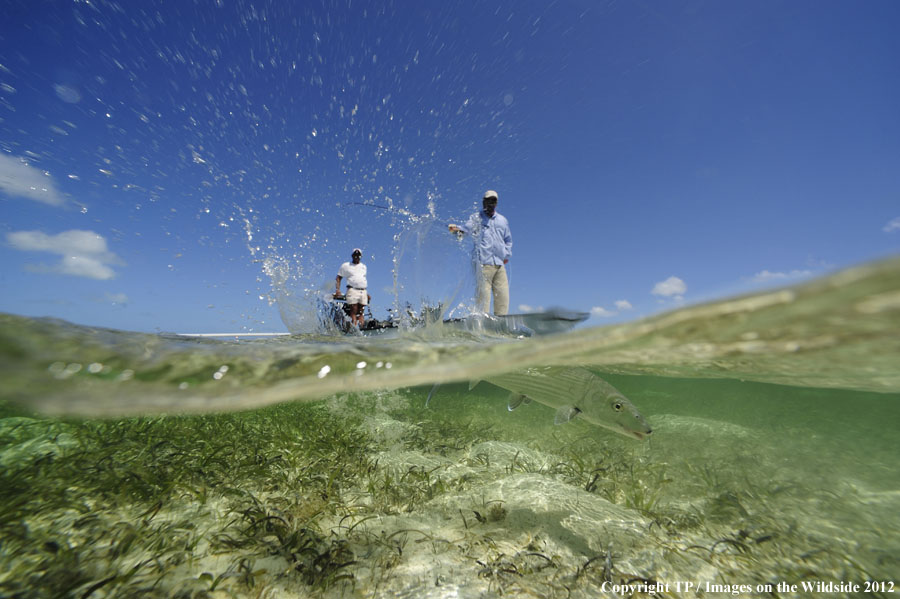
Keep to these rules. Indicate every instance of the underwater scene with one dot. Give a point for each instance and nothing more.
(151, 465)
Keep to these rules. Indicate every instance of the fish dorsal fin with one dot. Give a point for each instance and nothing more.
(516, 400)
(473, 383)
(565, 413)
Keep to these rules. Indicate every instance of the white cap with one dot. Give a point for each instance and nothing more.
(356, 251)
(490, 193)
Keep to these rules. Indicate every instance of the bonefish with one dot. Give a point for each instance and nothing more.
(573, 392)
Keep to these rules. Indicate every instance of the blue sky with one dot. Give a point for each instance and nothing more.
(198, 166)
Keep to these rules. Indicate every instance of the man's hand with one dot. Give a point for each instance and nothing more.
(453, 228)
(338, 294)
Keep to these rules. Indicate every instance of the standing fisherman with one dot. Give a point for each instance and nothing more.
(357, 297)
(493, 248)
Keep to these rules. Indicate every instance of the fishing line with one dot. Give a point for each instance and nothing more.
(388, 208)
(393, 209)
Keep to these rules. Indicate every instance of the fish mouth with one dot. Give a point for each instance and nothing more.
(640, 436)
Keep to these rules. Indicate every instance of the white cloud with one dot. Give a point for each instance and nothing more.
(765, 276)
(672, 287)
(117, 298)
(621, 306)
(525, 308)
(19, 179)
(892, 226)
(82, 253)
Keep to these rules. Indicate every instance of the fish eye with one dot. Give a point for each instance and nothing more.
(618, 407)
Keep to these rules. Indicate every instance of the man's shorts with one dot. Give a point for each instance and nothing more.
(357, 296)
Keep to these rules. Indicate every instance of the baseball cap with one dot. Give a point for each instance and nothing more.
(489, 194)
(356, 251)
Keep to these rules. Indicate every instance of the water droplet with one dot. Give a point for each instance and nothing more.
(67, 93)
(72, 369)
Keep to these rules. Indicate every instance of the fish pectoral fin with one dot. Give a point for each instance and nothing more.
(473, 383)
(430, 393)
(566, 413)
(516, 400)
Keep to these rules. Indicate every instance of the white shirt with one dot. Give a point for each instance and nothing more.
(355, 274)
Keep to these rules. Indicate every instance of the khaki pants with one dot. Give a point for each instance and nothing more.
(492, 278)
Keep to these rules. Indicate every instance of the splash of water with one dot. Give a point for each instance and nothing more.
(430, 269)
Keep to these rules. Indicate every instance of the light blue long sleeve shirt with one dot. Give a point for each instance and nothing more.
(493, 240)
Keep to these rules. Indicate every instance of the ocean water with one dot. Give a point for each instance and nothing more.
(309, 466)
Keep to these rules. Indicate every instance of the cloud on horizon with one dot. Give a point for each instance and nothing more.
(526, 308)
(893, 225)
(19, 179)
(766, 276)
(119, 299)
(673, 288)
(621, 306)
(82, 253)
